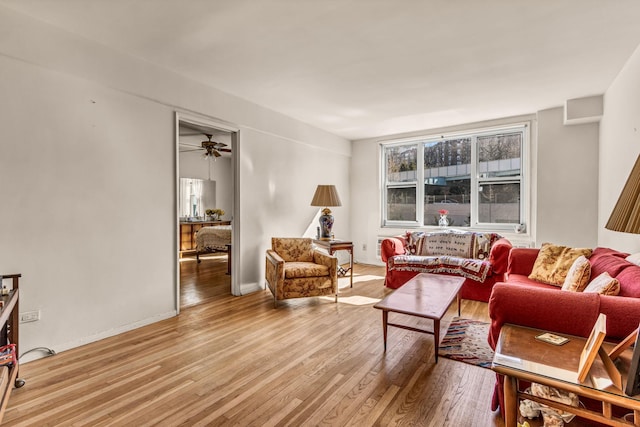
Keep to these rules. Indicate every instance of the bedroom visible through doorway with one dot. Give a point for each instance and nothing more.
(205, 210)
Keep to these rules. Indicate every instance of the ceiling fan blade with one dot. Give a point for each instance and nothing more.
(193, 149)
(216, 153)
(226, 150)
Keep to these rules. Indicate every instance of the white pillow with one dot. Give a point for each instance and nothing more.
(603, 284)
(634, 258)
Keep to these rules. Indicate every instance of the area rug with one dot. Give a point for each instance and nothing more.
(466, 341)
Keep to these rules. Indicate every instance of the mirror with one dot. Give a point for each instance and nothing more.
(196, 196)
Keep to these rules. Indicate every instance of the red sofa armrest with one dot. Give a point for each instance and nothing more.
(623, 315)
(521, 260)
(499, 255)
(564, 312)
(392, 246)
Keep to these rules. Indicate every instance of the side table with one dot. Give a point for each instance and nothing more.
(520, 356)
(332, 246)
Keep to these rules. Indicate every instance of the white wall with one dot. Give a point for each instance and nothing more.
(619, 148)
(87, 173)
(563, 175)
(567, 181)
(86, 179)
(192, 165)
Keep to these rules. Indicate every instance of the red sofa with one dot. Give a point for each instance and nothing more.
(400, 272)
(522, 301)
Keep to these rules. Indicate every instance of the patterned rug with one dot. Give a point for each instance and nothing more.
(466, 341)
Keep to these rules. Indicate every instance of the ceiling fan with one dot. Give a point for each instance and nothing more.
(212, 148)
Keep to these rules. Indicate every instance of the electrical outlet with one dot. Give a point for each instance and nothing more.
(364, 246)
(29, 316)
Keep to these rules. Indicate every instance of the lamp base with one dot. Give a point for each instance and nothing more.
(326, 224)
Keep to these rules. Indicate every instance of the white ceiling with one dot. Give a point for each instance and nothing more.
(365, 68)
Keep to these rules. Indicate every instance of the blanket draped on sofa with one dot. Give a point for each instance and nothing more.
(481, 258)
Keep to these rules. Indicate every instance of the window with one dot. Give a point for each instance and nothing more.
(476, 176)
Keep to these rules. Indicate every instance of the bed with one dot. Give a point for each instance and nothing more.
(213, 239)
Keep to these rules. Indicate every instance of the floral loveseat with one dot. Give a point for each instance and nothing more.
(481, 258)
(527, 302)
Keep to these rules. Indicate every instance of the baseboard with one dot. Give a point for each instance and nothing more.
(247, 288)
(99, 336)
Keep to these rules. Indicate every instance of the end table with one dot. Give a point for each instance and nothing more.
(332, 246)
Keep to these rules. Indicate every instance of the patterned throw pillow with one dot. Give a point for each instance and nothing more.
(604, 284)
(413, 237)
(578, 275)
(483, 244)
(553, 263)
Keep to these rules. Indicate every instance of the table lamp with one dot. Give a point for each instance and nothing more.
(625, 216)
(326, 195)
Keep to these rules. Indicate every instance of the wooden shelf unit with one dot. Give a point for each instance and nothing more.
(9, 332)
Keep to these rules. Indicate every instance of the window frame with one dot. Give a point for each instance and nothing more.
(476, 181)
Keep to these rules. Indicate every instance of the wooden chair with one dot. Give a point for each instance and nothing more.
(295, 269)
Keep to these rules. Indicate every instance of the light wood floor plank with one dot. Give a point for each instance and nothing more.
(237, 361)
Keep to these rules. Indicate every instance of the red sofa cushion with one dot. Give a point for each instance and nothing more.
(609, 260)
(521, 260)
(392, 246)
(542, 308)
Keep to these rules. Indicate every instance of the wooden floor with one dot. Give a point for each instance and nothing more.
(238, 361)
(205, 281)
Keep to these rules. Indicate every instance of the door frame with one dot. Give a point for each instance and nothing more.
(213, 123)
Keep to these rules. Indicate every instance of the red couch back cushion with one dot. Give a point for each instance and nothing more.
(609, 260)
(613, 262)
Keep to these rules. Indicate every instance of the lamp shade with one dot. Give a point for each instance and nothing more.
(626, 214)
(326, 195)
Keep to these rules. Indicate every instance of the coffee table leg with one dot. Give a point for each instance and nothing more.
(385, 318)
(436, 336)
(458, 298)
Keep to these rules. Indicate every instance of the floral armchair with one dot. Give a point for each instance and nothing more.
(295, 269)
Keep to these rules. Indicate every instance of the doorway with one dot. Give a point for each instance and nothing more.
(205, 206)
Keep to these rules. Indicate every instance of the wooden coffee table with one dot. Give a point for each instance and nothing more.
(426, 295)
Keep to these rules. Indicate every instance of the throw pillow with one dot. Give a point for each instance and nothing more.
(483, 244)
(634, 258)
(413, 237)
(554, 261)
(578, 276)
(604, 284)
